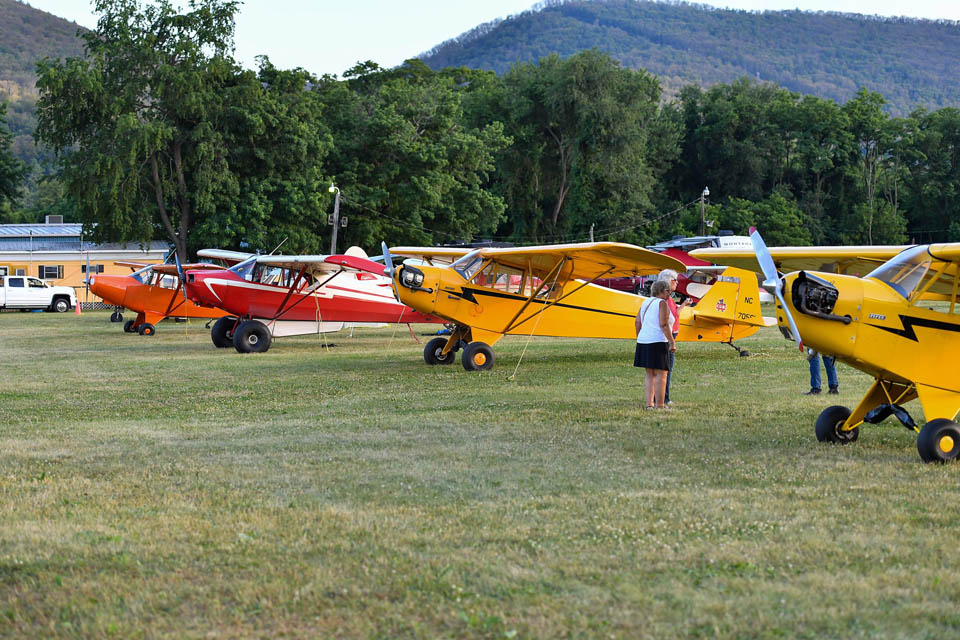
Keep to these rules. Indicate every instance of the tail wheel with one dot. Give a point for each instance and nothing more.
(222, 332)
(251, 336)
(939, 441)
(128, 326)
(147, 329)
(829, 423)
(433, 352)
(477, 356)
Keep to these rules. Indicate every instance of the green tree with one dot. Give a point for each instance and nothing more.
(12, 170)
(139, 124)
(581, 130)
(779, 219)
(409, 165)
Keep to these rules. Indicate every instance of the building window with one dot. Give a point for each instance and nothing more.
(94, 268)
(51, 272)
(4, 271)
(21, 272)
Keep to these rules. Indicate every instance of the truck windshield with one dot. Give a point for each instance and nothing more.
(904, 271)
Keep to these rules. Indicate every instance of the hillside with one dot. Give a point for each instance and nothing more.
(26, 36)
(910, 62)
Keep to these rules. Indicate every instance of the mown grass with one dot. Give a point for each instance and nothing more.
(159, 487)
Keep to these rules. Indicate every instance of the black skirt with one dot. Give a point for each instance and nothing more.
(652, 355)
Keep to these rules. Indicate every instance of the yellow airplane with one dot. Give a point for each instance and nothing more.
(899, 322)
(548, 291)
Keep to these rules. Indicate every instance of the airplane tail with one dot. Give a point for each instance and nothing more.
(734, 298)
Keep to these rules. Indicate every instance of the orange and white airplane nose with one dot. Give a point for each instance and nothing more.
(112, 289)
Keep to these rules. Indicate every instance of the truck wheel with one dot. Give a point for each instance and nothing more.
(251, 336)
(61, 305)
(147, 329)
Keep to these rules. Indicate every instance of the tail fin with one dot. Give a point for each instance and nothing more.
(735, 297)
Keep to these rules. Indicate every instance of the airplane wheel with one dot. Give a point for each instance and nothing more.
(147, 329)
(251, 336)
(477, 356)
(116, 316)
(432, 353)
(222, 332)
(128, 326)
(829, 423)
(939, 441)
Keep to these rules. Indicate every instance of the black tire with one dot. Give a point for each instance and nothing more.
(251, 336)
(222, 332)
(116, 316)
(60, 305)
(432, 352)
(128, 326)
(477, 356)
(829, 423)
(638, 290)
(939, 441)
(147, 329)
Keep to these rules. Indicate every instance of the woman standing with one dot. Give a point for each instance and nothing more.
(654, 343)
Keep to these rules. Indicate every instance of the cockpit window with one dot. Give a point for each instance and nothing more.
(468, 265)
(245, 268)
(904, 271)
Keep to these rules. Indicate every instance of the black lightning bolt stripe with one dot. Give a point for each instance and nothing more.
(909, 322)
(469, 294)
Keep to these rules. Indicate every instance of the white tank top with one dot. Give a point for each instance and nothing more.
(650, 330)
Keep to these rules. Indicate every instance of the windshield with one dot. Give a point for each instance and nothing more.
(468, 265)
(245, 268)
(143, 275)
(904, 271)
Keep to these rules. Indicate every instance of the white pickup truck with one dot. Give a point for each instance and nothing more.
(24, 292)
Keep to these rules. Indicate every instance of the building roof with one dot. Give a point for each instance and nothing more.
(40, 230)
(61, 237)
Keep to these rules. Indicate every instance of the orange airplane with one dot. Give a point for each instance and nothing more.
(154, 292)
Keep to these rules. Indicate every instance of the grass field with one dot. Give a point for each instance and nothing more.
(160, 487)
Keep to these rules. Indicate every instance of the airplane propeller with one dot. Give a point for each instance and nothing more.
(773, 280)
(389, 271)
(183, 278)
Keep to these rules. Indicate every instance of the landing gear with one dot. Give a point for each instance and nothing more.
(147, 329)
(116, 316)
(939, 441)
(829, 423)
(477, 356)
(433, 352)
(222, 332)
(128, 326)
(251, 336)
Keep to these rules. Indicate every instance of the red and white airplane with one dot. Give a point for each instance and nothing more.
(272, 296)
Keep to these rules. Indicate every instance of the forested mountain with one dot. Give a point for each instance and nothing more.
(26, 36)
(910, 62)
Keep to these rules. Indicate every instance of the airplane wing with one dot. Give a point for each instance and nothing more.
(133, 265)
(586, 261)
(323, 263)
(230, 257)
(842, 260)
(168, 269)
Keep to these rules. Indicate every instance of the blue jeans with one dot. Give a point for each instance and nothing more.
(829, 365)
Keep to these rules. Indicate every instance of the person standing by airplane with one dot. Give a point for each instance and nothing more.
(670, 277)
(829, 363)
(655, 343)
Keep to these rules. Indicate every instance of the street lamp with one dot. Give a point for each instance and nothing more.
(336, 217)
(703, 197)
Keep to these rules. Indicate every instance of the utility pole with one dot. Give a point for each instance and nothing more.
(336, 218)
(591, 232)
(703, 209)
